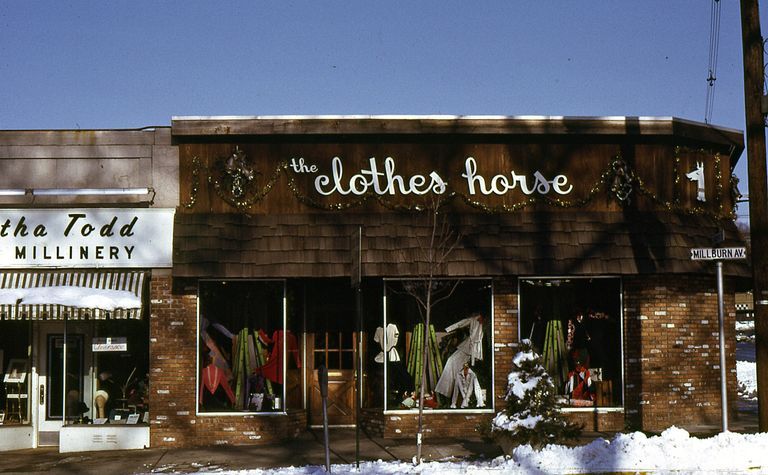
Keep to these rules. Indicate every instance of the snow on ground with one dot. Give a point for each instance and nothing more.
(674, 451)
(746, 374)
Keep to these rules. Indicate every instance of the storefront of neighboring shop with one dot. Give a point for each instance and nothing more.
(83, 236)
(575, 233)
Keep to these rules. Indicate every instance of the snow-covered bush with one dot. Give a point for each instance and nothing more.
(532, 415)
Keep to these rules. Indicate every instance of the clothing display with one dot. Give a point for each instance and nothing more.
(554, 353)
(392, 335)
(240, 367)
(469, 350)
(579, 385)
(273, 369)
(434, 361)
(215, 354)
(211, 378)
(578, 339)
(473, 346)
(466, 385)
(409, 402)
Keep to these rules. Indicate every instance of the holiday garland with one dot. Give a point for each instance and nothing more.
(618, 179)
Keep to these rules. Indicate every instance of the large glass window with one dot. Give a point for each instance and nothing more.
(15, 366)
(120, 351)
(575, 324)
(457, 345)
(246, 352)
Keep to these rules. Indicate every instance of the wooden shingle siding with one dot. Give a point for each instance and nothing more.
(229, 245)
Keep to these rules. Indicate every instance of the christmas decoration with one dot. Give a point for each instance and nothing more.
(532, 415)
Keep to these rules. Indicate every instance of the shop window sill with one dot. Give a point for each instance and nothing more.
(593, 409)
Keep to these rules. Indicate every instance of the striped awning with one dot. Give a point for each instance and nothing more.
(56, 295)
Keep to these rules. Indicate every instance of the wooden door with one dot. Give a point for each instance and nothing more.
(337, 350)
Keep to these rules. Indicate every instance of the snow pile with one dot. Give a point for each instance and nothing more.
(746, 374)
(745, 330)
(71, 296)
(673, 451)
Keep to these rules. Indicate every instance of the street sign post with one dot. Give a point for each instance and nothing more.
(719, 255)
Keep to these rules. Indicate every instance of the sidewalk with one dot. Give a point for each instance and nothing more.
(308, 449)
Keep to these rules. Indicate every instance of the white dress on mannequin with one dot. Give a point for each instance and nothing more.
(469, 350)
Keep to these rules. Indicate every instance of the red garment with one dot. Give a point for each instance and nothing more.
(579, 384)
(273, 368)
(211, 378)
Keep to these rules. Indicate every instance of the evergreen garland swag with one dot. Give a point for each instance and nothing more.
(532, 415)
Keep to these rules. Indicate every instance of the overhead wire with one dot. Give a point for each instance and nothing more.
(714, 50)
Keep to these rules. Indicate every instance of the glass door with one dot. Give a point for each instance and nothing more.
(64, 386)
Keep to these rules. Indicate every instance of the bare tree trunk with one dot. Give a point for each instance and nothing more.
(424, 360)
(427, 321)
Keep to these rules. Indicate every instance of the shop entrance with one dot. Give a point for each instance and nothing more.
(331, 341)
(337, 351)
(64, 380)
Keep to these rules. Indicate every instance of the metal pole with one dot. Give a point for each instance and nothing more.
(322, 372)
(359, 362)
(357, 276)
(721, 322)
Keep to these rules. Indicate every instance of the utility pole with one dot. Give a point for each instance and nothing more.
(752, 45)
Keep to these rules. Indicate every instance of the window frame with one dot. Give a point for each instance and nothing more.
(490, 393)
(241, 413)
(599, 410)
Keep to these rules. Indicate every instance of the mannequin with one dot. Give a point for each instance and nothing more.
(578, 339)
(467, 384)
(101, 399)
(391, 340)
(469, 350)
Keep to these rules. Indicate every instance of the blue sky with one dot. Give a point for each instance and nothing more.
(127, 64)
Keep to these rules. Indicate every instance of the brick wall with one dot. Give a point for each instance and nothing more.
(404, 425)
(671, 348)
(173, 349)
(671, 355)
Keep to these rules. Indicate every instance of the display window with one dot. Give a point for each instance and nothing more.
(457, 345)
(15, 337)
(121, 372)
(575, 325)
(246, 352)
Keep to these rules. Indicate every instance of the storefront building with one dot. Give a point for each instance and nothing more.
(86, 225)
(287, 231)
(575, 233)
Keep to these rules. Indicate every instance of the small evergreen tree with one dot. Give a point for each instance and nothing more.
(532, 415)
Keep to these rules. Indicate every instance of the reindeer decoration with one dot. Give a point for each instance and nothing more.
(697, 175)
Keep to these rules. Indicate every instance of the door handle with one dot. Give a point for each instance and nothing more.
(42, 394)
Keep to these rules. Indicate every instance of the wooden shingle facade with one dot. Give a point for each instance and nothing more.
(604, 205)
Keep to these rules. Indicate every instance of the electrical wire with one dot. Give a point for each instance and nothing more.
(714, 50)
